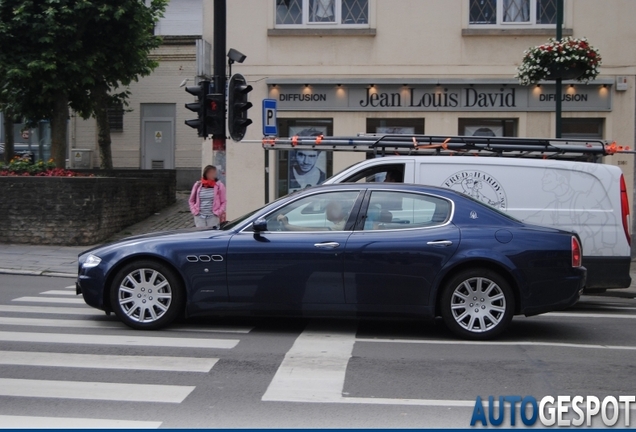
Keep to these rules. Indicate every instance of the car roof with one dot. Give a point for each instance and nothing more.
(407, 187)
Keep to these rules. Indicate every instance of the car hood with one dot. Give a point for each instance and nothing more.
(160, 236)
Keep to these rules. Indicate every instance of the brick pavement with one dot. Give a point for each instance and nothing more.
(176, 216)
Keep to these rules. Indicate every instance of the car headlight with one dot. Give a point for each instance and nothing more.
(91, 261)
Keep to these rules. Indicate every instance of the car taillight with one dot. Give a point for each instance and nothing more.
(625, 212)
(576, 253)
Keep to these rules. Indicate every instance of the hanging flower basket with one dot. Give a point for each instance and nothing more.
(568, 59)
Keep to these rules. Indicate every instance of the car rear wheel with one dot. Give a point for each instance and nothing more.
(146, 295)
(477, 304)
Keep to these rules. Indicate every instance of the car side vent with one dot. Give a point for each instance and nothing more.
(192, 258)
(204, 258)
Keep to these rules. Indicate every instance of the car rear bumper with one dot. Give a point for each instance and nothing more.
(607, 272)
(565, 293)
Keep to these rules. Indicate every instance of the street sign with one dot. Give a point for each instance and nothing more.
(270, 128)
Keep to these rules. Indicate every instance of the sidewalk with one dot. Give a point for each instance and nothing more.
(62, 260)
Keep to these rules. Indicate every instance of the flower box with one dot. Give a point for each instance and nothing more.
(568, 59)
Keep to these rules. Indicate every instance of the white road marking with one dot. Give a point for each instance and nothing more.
(314, 369)
(50, 300)
(123, 339)
(30, 422)
(70, 287)
(496, 343)
(104, 361)
(74, 323)
(588, 315)
(94, 390)
(240, 330)
(51, 310)
(58, 292)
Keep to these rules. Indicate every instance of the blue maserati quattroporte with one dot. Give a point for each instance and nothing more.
(383, 250)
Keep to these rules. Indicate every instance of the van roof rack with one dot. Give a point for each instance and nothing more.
(409, 144)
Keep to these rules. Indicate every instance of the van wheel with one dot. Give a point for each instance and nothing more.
(146, 295)
(477, 304)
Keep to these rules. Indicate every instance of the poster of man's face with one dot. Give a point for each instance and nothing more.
(306, 167)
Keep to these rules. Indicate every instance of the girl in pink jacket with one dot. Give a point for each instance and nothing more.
(207, 200)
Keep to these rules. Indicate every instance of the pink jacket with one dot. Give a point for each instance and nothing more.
(218, 205)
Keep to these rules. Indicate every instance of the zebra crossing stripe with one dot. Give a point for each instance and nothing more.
(50, 300)
(94, 390)
(31, 422)
(58, 292)
(51, 310)
(122, 339)
(46, 322)
(106, 361)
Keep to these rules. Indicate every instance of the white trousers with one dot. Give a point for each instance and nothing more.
(206, 221)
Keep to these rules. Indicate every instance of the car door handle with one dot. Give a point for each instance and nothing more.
(443, 243)
(327, 245)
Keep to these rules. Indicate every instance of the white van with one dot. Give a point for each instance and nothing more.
(588, 198)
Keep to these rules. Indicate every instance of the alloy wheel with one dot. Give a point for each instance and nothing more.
(145, 295)
(478, 304)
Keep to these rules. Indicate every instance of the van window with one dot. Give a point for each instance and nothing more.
(389, 173)
(400, 210)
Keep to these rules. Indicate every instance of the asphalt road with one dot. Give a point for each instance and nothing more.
(65, 364)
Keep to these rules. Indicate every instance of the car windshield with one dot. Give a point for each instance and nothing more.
(230, 225)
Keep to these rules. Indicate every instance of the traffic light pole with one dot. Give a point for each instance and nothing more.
(220, 15)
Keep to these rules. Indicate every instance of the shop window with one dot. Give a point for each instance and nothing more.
(305, 13)
(116, 117)
(511, 12)
(584, 128)
(395, 125)
(302, 168)
(488, 127)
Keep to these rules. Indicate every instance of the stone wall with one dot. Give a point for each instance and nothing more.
(80, 211)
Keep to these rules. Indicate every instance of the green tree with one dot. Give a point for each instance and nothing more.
(60, 53)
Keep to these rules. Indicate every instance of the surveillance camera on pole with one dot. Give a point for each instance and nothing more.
(238, 105)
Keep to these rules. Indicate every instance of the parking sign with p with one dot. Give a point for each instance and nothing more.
(270, 127)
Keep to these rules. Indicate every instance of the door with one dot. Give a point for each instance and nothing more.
(299, 259)
(398, 249)
(158, 144)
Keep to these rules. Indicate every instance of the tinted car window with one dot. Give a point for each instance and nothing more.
(329, 211)
(393, 173)
(402, 210)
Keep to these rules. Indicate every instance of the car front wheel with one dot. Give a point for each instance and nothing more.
(477, 304)
(146, 295)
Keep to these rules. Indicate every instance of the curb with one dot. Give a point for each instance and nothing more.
(36, 273)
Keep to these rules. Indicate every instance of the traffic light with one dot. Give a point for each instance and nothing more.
(237, 107)
(215, 114)
(199, 107)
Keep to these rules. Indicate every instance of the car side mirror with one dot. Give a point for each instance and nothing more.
(259, 225)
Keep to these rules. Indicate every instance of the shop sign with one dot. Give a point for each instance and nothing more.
(452, 97)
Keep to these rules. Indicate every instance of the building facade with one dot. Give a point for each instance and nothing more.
(342, 67)
(438, 67)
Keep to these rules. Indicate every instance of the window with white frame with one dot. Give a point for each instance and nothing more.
(537, 13)
(335, 13)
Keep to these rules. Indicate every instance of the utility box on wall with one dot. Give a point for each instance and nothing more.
(81, 158)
